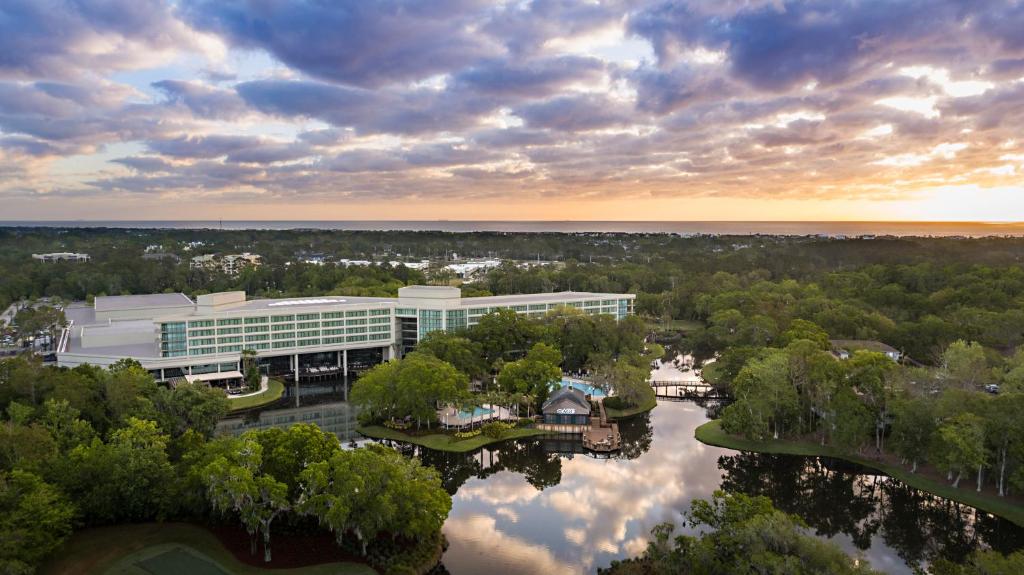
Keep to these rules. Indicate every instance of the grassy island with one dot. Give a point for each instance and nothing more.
(273, 392)
(627, 412)
(444, 441)
(711, 433)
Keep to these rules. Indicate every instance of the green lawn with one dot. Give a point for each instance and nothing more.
(115, 549)
(442, 441)
(631, 411)
(711, 433)
(274, 391)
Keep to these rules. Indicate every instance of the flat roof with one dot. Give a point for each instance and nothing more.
(213, 376)
(539, 297)
(126, 302)
(293, 303)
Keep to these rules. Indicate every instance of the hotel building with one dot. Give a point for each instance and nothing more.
(173, 336)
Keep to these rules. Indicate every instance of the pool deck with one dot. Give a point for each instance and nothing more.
(452, 418)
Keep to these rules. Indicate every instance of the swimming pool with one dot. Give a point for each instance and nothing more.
(477, 412)
(581, 385)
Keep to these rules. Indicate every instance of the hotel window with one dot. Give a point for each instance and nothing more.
(379, 336)
(356, 322)
(307, 316)
(337, 331)
(356, 330)
(283, 335)
(230, 321)
(378, 328)
(310, 333)
(518, 308)
(333, 340)
(283, 344)
(429, 320)
(457, 319)
(538, 307)
(202, 332)
(233, 339)
(252, 320)
(228, 330)
(308, 342)
(260, 346)
(228, 366)
(281, 318)
(406, 311)
(359, 313)
(334, 323)
(380, 319)
(283, 327)
(255, 328)
(202, 342)
(201, 323)
(379, 312)
(332, 314)
(478, 311)
(257, 337)
(308, 325)
(356, 338)
(229, 348)
(203, 351)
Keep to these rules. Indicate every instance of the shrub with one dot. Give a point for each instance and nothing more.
(495, 430)
(467, 434)
(615, 402)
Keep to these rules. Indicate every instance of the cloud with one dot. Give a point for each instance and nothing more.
(67, 38)
(576, 113)
(202, 100)
(367, 44)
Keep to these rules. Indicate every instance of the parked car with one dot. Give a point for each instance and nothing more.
(992, 388)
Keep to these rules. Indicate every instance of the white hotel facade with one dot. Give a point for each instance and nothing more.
(173, 336)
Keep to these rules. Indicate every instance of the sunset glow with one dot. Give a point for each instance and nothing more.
(763, 110)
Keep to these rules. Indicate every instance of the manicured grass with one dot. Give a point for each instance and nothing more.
(631, 411)
(274, 391)
(442, 441)
(107, 550)
(711, 433)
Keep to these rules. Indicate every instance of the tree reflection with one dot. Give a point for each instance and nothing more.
(836, 497)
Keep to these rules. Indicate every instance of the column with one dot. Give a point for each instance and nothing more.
(344, 363)
(386, 354)
(296, 372)
(162, 378)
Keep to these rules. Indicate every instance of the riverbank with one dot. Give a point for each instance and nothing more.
(169, 548)
(615, 414)
(711, 433)
(444, 441)
(273, 392)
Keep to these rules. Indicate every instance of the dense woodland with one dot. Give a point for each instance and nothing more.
(87, 446)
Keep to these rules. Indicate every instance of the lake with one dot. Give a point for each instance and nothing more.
(543, 507)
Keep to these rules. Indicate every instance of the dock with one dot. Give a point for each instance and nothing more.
(601, 435)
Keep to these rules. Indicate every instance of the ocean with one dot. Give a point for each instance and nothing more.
(830, 228)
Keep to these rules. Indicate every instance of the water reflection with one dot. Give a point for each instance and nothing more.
(836, 497)
(542, 506)
(504, 520)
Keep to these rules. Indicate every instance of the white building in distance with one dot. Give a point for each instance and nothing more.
(61, 256)
(173, 336)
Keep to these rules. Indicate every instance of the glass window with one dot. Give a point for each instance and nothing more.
(230, 321)
(280, 318)
(252, 320)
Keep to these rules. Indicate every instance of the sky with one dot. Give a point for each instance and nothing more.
(533, 110)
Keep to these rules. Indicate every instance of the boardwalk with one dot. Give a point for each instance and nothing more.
(602, 435)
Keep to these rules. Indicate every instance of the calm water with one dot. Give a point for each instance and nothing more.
(541, 507)
(723, 228)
